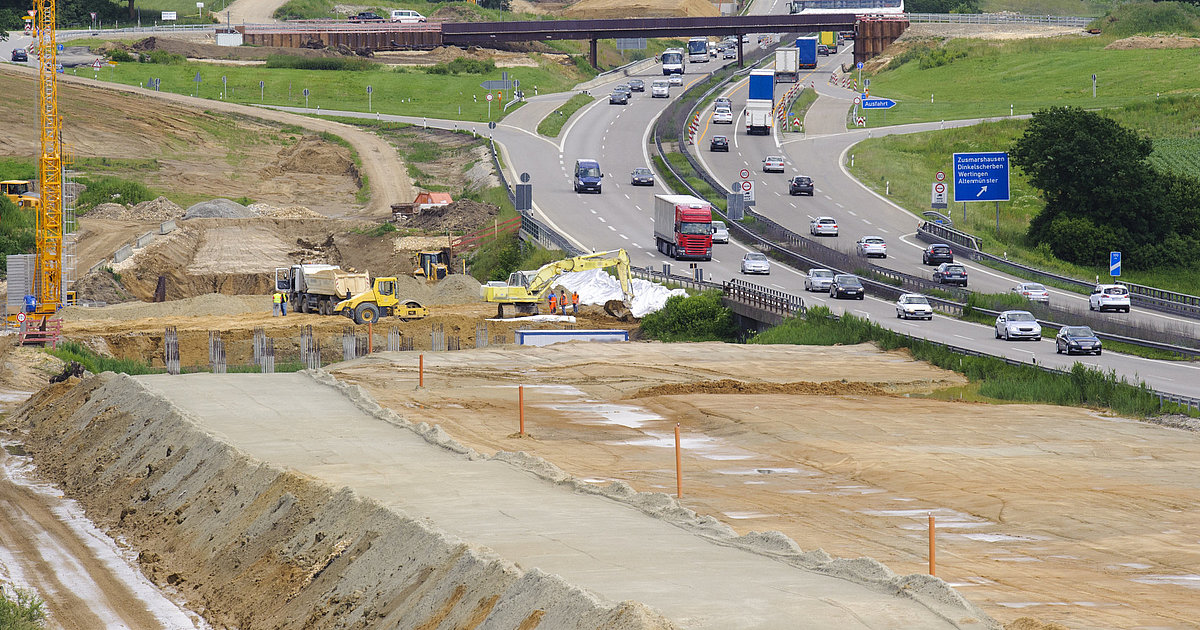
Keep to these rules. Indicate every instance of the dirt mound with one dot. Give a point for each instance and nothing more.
(640, 8)
(463, 215)
(313, 155)
(101, 286)
(729, 386)
(1161, 41)
(456, 13)
(198, 50)
(107, 211)
(456, 289)
(1029, 623)
(290, 212)
(219, 209)
(213, 304)
(159, 210)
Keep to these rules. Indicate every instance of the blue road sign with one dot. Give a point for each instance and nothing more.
(981, 176)
(878, 103)
(1114, 264)
(860, 65)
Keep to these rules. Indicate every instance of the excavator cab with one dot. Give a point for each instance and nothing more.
(432, 265)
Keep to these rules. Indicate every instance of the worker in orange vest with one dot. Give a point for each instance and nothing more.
(575, 302)
(562, 301)
(553, 301)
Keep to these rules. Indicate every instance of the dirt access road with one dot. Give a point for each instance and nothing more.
(252, 11)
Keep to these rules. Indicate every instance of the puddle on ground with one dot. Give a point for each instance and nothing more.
(606, 414)
(1190, 580)
(981, 537)
(746, 515)
(1032, 604)
(699, 446)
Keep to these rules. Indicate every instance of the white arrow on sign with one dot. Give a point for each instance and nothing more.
(982, 189)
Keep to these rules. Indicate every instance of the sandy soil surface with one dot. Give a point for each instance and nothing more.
(252, 11)
(1062, 514)
(641, 8)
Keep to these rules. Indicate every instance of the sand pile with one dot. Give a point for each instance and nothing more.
(640, 8)
(219, 209)
(1157, 42)
(729, 386)
(198, 306)
(453, 289)
(463, 215)
(288, 212)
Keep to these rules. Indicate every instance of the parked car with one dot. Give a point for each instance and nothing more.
(871, 246)
(913, 306)
(719, 143)
(660, 89)
(801, 185)
(1072, 339)
(637, 85)
(950, 273)
(756, 262)
(1018, 325)
(720, 232)
(773, 163)
(641, 177)
(675, 79)
(936, 254)
(618, 98)
(818, 280)
(823, 226)
(845, 285)
(366, 16)
(19, 54)
(1033, 292)
(1109, 297)
(722, 115)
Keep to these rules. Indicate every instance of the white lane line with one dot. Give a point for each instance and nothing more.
(1025, 351)
(793, 205)
(838, 205)
(883, 230)
(627, 195)
(623, 236)
(962, 337)
(827, 197)
(778, 194)
(602, 219)
(637, 207)
(866, 221)
(612, 228)
(594, 212)
(779, 286)
(851, 213)
(638, 245)
(650, 254)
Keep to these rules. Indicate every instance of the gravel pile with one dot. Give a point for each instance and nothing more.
(219, 209)
(157, 210)
(106, 211)
(290, 212)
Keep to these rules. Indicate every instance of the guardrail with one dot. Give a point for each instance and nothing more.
(1001, 18)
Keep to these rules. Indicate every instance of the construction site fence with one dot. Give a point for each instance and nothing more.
(1001, 18)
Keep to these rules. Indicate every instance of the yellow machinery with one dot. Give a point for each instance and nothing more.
(525, 290)
(380, 301)
(21, 193)
(432, 265)
(49, 232)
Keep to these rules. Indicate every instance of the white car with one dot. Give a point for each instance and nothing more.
(1018, 325)
(913, 306)
(756, 262)
(823, 226)
(1109, 297)
(1033, 292)
(722, 115)
(720, 232)
(818, 280)
(407, 16)
(871, 246)
(723, 101)
(675, 80)
(660, 89)
(773, 163)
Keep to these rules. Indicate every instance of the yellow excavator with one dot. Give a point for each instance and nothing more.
(525, 290)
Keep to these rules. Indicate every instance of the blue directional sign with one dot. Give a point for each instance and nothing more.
(981, 177)
(877, 103)
(1114, 264)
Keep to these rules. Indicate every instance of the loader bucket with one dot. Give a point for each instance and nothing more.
(619, 310)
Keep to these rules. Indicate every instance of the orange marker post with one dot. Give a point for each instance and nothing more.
(678, 466)
(421, 370)
(932, 548)
(370, 337)
(521, 405)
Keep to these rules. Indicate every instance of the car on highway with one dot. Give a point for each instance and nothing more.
(822, 50)
(937, 254)
(637, 85)
(618, 98)
(913, 306)
(660, 89)
(641, 177)
(756, 262)
(871, 246)
(818, 280)
(773, 164)
(366, 16)
(723, 101)
(720, 232)
(848, 286)
(623, 87)
(1033, 292)
(407, 16)
(722, 115)
(950, 273)
(1106, 297)
(675, 80)
(19, 55)
(823, 226)
(1018, 325)
(801, 185)
(1077, 339)
(719, 143)
(587, 175)
(730, 53)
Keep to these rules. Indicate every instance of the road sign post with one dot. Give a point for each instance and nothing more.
(262, 91)
(305, 98)
(1114, 264)
(489, 100)
(938, 197)
(369, 90)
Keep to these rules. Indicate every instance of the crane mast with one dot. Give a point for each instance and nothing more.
(49, 232)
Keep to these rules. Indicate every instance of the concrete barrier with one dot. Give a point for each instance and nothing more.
(166, 227)
(144, 240)
(121, 254)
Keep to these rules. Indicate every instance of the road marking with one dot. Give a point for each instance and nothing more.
(638, 245)
(612, 228)
(602, 220)
(637, 207)
(779, 286)
(883, 230)
(866, 221)
(623, 236)
(851, 213)
(627, 195)
(962, 337)
(793, 205)
(594, 212)
(650, 253)
(838, 205)
(778, 194)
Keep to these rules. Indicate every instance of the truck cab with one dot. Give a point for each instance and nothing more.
(587, 175)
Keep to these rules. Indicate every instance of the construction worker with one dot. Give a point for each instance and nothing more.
(276, 300)
(553, 301)
(282, 304)
(575, 302)
(562, 301)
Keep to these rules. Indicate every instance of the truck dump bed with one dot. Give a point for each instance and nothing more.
(336, 282)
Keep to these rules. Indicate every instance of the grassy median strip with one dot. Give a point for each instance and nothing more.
(553, 123)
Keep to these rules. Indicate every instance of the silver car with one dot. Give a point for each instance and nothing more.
(871, 246)
(818, 280)
(913, 306)
(1018, 325)
(1033, 292)
(756, 262)
(720, 233)
(823, 226)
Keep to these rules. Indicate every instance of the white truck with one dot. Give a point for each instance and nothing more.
(787, 65)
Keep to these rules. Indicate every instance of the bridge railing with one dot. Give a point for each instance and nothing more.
(1001, 18)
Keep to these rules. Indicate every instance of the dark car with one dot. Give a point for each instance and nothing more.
(366, 16)
(719, 143)
(800, 185)
(618, 98)
(950, 273)
(847, 286)
(1072, 339)
(937, 254)
(822, 50)
(641, 177)
(637, 85)
(19, 54)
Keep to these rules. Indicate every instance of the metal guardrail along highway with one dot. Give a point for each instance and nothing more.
(482, 32)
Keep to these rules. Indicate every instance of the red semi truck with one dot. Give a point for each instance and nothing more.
(683, 226)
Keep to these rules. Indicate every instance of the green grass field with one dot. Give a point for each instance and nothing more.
(553, 123)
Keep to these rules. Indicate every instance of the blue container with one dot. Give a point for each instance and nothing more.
(30, 303)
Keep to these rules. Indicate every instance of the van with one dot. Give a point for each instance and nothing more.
(587, 175)
(407, 16)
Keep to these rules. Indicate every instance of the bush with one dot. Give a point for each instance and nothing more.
(161, 57)
(352, 64)
(463, 65)
(16, 231)
(119, 55)
(94, 363)
(21, 610)
(1149, 18)
(699, 317)
(112, 190)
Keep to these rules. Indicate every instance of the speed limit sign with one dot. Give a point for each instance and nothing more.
(745, 173)
(21, 318)
(941, 176)
(489, 96)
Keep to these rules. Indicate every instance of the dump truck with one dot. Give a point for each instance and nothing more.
(808, 52)
(787, 65)
(525, 291)
(683, 226)
(21, 193)
(760, 103)
(830, 39)
(330, 290)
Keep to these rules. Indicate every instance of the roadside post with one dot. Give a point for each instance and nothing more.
(489, 100)
(1093, 85)
(369, 90)
(262, 91)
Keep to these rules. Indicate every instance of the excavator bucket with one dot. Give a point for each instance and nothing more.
(618, 309)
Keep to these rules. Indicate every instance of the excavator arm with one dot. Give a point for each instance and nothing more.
(529, 293)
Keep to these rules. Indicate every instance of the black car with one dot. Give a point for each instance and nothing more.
(800, 185)
(366, 16)
(637, 85)
(937, 254)
(822, 50)
(19, 54)
(950, 273)
(618, 98)
(1072, 339)
(719, 143)
(847, 286)
(641, 177)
